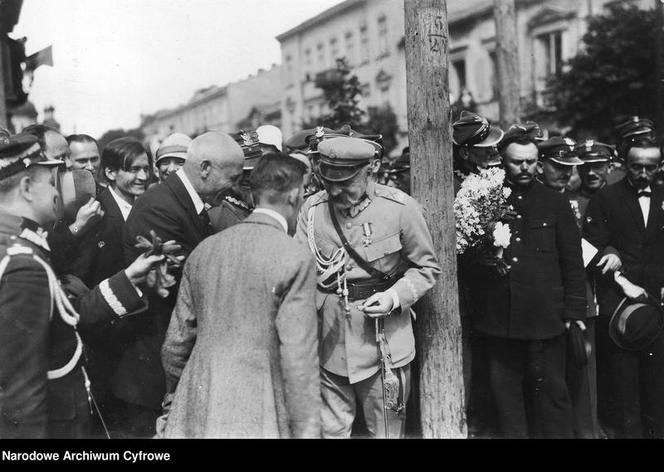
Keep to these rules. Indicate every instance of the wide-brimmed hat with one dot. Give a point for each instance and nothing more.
(560, 150)
(474, 130)
(635, 324)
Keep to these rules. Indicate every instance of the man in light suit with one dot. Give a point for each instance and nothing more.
(175, 210)
(241, 351)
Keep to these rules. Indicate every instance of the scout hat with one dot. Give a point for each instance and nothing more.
(270, 135)
(593, 151)
(248, 141)
(175, 145)
(559, 150)
(19, 152)
(342, 158)
(634, 325)
(475, 130)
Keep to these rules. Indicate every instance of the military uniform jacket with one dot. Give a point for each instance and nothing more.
(546, 282)
(399, 243)
(229, 212)
(614, 224)
(35, 342)
(167, 209)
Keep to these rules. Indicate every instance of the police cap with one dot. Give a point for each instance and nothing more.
(560, 150)
(19, 152)
(593, 151)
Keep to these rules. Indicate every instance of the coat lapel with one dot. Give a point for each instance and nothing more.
(655, 217)
(632, 203)
(182, 196)
(112, 212)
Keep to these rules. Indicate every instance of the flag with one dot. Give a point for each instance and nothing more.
(40, 58)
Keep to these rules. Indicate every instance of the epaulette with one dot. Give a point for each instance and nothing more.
(318, 198)
(237, 202)
(391, 193)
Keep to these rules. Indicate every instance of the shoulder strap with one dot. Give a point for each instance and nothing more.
(349, 249)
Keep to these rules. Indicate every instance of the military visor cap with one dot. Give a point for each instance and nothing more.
(559, 150)
(248, 141)
(342, 158)
(19, 152)
(592, 151)
(635, 126)
(475, 130)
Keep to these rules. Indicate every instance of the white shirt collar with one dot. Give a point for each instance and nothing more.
(125, 207)
(195, 198)
(274, 214)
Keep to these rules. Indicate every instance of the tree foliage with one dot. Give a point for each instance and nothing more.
(342, 92)
(613, 75)
(112, 134)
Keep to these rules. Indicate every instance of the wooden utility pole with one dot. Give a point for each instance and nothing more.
(3, 104)
(507, 56)
(438, 326)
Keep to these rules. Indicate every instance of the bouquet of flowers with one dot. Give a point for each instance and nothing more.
(159, 279)
(479, 207)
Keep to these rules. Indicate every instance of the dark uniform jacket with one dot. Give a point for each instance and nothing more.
(546, 282)
(167, 209)
(229, 212)
(614, 224)
(100, 253)
(34, 339)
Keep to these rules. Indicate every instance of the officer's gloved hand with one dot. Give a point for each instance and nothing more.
(510, 215)
(494, 266)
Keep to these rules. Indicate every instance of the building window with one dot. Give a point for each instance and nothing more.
(307, 64)
(364, 44)
(459, 67)
(320, 51)
(552, 46)
(289, 71)
(494, 75)
(334, 49)
(350, 48)
(382, 37)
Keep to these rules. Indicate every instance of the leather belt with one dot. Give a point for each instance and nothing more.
(362, 289)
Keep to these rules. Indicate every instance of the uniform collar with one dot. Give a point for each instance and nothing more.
(195, 198)
(364, 202)
(32, 232)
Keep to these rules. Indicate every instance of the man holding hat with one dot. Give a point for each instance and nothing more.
(624, 222)
(375, 259)
(42, 378)
(171, 154)
(557, 158)
(475, 141)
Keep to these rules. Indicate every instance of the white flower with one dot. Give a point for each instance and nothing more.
(501, 235)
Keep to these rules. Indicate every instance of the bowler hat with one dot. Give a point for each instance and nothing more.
(475, 130)
(175, 145)
(593, 151)
(21, 151)
(560, 150)
(635, 324)
(342, 158)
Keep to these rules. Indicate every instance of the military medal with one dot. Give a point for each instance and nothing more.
(366, 229)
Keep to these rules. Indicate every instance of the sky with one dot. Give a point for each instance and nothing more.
(116, 59)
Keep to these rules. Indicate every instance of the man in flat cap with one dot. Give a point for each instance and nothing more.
(475, 141)
(524, 310)
(41, 365)
(624, 222)
(375, 259)
(171, 154)
(557, 158)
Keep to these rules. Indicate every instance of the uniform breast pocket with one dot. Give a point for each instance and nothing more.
(383, 247)
(542, 235)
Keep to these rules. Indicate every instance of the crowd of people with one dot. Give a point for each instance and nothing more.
(243, 285)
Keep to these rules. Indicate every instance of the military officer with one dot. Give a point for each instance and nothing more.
(557, 158)
(375, 259)
(42, 380)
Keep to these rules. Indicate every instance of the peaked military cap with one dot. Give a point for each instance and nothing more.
(19, 152)
(472, 129)
(560, 150)
(529, 128)
(592, 151)
(342, 158)
(635, 127)
(248, 141)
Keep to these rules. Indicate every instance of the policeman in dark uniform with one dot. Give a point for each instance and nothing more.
(44, 387)
(525, 312)
(629, 133)
(230, 208)
(375, 259)
(557, 158)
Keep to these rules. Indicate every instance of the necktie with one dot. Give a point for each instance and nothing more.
(644, 193)
(204, 218)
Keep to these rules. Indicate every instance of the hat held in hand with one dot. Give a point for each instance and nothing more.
(635, 324)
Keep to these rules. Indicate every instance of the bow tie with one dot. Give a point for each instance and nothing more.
(643, 193)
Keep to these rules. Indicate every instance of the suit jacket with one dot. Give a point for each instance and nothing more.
(546, 282)
(614, 224)
(34, 339)
(241, 352)
(167, 209)
(100, 252)
(399, 244)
